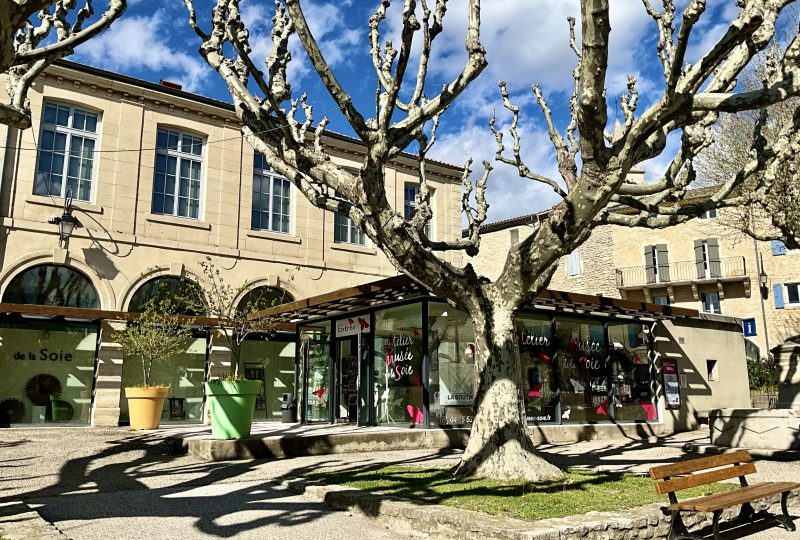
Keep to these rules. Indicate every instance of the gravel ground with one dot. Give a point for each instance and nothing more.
(113, 483)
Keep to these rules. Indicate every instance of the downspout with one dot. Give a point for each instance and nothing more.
(759, 270)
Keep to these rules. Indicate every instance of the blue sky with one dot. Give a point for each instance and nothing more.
(526, 41)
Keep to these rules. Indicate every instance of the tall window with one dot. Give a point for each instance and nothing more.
(66, 152)
(711, 302)
(176, 185)
(574, 264)
(345, 231)
(271, 198)
(656, 259)
(793, 293)
(410, 193)
(707, 259)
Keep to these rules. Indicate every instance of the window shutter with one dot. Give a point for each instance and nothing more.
(778, 248)
(777, 294)
(650, 263)
(663, 262)
(698, 259)
(714, 261)
(514, 236)
(573, 264)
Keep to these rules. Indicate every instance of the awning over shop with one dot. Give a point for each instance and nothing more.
(400, 288)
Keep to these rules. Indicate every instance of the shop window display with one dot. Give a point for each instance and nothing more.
(271, 362)
(534, 338)
(583, 375)
(184, 373)
(451, 371)
(632, 392)
(398, 366)
(316, 351)
(48, 370)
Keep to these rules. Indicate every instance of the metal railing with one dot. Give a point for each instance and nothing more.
(681, 271)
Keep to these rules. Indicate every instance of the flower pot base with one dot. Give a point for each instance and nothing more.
(145, 406)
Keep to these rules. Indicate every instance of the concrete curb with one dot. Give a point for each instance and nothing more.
(19, 522)
(444, 522)
(758, 453)
(314, 445)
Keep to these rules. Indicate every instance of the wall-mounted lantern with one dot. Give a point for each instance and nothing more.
(67, 223)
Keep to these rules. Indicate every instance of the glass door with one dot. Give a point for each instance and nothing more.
(317, 381)
(346, 397)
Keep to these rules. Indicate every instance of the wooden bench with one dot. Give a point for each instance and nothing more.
(703, 471)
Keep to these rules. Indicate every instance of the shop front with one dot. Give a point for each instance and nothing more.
(390, 354)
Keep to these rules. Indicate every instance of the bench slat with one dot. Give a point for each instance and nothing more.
(699, 479)
(699, 464)
(718, 501)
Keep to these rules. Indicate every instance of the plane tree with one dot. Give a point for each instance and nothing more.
(36, 33)
(592, 164)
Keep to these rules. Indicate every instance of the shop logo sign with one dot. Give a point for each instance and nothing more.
(44, 355)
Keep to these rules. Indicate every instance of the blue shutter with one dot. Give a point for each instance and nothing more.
(777, 293)
(778, 248)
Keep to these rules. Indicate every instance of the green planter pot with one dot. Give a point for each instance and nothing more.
(232, 404)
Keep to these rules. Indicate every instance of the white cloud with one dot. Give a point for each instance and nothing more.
(507, 193)
(140, 42)
(327, 25)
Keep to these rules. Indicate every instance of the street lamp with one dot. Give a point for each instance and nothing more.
(67, 223)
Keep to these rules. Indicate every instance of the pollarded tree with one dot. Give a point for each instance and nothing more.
(26, 49)
(593, 165)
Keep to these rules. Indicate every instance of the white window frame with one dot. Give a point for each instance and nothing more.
(69, 131)
(270, 213)
(788, 300)
(180, 155)
(575, 256)
(664, 296)
(413, 205)
(708, 214)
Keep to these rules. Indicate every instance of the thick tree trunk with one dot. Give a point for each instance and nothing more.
(499, 444)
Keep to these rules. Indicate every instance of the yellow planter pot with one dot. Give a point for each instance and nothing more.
(145, 405)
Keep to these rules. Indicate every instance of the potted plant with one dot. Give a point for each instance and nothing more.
(232, 399)
(154, 335)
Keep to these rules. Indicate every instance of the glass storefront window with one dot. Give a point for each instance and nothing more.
(271, 362)
(451, 371)
(51, 285)
(534, 337)
(397, 365)
(316, 351)
(632, 394)
(583, 379)
(185, 375)
(48, 370)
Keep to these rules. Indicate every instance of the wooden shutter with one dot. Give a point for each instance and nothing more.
(698, 259)
(777, 295)
(663, 262)
(778, 248)
(650, 263)
(714, 261)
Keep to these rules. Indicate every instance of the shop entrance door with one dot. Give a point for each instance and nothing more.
(347, 380)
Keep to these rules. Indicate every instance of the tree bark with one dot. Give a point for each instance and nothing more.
(499, 444)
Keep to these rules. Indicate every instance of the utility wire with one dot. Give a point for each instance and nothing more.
(121, 150)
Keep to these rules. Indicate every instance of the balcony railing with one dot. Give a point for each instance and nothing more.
(681, 272)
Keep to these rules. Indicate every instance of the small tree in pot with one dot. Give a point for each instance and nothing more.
(232, 399)
(156, 334)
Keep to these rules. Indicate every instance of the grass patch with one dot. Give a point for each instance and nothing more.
(581, 492)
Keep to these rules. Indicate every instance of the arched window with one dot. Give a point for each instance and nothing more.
(52, 285)
(184, 293)
(263, 298)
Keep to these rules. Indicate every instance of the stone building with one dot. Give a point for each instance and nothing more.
(703, 264)
(159, 179)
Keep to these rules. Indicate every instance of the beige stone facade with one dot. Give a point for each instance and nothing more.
(122, 243)
(613, 263)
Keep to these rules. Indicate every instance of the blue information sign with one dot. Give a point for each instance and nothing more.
(749, 327)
